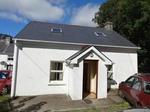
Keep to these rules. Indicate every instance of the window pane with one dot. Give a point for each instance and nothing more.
(130, 80)
(147, 87)
(56, 71)
(56, 76)
(137, 86)
(56, 66)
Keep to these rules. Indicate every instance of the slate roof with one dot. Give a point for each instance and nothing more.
(8, 50)
(41, 31)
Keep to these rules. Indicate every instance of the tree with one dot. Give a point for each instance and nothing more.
(131, 18)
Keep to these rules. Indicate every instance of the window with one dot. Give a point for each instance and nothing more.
(137, 84)
(10, 58)
(56, 71)
(56, 30)
(147, 87)
(129, 81)
(10, 67)
(99, 34)
(110, 71)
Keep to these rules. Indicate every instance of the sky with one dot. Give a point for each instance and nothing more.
(15, 14)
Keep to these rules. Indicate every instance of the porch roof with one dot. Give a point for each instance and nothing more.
(83, 53)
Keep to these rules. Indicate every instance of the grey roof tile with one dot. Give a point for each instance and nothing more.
(72, 34)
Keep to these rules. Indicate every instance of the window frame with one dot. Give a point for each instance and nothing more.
(56, 71)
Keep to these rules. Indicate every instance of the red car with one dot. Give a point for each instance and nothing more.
(136, 90)
(5, 81)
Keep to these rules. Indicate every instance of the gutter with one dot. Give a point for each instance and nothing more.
(69, 43)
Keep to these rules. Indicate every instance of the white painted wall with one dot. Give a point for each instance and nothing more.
(102, 80)
(34, 70)
(75, 82)
(125, 65)
(3, 58)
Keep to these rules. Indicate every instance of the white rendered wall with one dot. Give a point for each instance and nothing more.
(34, 70)
(125, 65)
(3, 58)
(102, 80)
(75, 82)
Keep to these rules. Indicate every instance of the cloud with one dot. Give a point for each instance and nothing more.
(12, 17)
(22, 10)
(84, 15)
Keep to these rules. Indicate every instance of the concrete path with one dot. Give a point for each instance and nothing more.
(52, 103)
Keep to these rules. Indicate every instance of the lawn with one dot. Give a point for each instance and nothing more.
(4, 105)
(4, 98)
(112, 108)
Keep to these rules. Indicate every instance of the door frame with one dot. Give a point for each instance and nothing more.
(97, 66)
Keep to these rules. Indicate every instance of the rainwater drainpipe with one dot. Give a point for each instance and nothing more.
(14, 72)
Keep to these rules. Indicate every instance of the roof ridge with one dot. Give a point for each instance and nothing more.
(65, 24)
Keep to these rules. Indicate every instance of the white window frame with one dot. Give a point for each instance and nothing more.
(56, 82)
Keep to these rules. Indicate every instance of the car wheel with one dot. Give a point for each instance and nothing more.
(4, 91)
(138, 105)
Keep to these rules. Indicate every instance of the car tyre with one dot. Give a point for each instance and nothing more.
(138, 105)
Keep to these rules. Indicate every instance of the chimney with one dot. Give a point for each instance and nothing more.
(108, 26)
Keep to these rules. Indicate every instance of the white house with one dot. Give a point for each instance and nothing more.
(68, 59)
(6, 52)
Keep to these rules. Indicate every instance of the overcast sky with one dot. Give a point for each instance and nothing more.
(15, 14)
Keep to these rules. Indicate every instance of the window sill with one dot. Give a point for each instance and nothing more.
(56, 84)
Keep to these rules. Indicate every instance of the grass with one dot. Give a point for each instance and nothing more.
(4, 105)
(112, 108)
(4, 98)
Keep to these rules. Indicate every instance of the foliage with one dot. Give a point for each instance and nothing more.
(131, 18)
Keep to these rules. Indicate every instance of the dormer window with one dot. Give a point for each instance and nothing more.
(56, 30)
(99, 34)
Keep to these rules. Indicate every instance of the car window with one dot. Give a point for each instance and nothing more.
(147, 87)
(137, 84)
(129, 81)
(2, 75)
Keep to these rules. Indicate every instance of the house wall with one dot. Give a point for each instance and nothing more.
(3, 58)
(125, 65)
(33, 71)
(75, 81)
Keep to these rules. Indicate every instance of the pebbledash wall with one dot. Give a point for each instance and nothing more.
(33, 70)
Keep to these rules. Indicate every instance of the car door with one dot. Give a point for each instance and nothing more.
(136, 92)
(128, 86)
